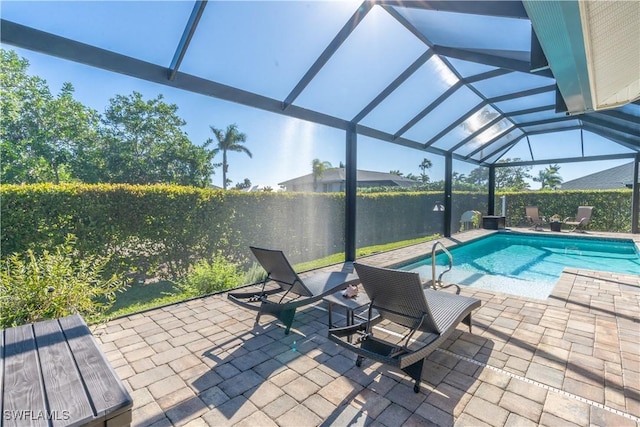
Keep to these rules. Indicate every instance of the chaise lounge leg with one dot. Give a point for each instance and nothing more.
(415, 372)
(286, 316)
(467, 321)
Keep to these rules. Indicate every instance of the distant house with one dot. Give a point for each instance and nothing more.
(333, 180)
(617, 177)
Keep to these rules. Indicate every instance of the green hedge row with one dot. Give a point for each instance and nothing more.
(166, 229)
(612, 208)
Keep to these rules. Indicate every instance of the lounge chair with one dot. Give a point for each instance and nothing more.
(533, 217)
(583, 217)
(426, 317)
(287, 290)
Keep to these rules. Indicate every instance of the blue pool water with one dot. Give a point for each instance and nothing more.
(529, 265)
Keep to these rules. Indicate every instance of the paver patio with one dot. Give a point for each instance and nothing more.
(572, 359)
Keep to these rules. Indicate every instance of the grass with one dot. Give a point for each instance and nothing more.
(362, 252)
(140, 297)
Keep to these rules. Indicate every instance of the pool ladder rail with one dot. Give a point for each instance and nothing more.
(437, 283)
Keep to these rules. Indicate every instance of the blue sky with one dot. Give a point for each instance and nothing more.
(231, 48)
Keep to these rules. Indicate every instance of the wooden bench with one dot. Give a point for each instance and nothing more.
(54, 373)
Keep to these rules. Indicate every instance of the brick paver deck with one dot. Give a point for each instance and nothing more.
(572, 359)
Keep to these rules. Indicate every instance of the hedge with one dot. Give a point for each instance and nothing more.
(612, 208)
(163, 230)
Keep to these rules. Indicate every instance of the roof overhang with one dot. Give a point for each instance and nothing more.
(592, 50)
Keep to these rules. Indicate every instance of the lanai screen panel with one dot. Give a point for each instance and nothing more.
(239, 43)
(596, 145)
(113, 26)
(417, 92)
(509, 83)
(453, 107)
(371, 50)
(461, 30)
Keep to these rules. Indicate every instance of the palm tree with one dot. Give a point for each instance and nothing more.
(229, 140)
(317, 169)
(426, 164)
(549, 177)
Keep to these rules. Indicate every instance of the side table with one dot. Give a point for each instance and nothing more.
(493, 222)
(351, 305)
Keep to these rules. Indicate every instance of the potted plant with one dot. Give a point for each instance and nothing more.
(555, 222)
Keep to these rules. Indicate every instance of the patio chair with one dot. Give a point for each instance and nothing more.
(288, 291)
(533, 217)
(583, 217)
(426, 317)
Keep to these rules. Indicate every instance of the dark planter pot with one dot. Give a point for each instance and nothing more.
(555, 226)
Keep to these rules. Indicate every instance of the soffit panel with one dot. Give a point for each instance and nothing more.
(611, 33)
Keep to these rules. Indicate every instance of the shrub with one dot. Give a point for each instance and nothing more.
(255, 274)
(207, 277)
(54, 284)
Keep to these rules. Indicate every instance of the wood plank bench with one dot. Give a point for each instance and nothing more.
(53, 373)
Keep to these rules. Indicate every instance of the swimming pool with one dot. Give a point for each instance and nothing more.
(529, 265)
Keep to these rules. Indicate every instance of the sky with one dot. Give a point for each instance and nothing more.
(231, 46)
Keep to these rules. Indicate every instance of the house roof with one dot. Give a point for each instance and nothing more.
(338, 175)
(617, 177)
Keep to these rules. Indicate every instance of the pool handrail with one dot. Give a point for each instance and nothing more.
(435, 284)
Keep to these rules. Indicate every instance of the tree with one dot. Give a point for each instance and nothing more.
(507, 178)
(396, 172)
(549, 177)
(21, 98)
(456, 176)
(66, 138)
(424, 166)
(229, 140)
(43, 137)
(143, 143)
(512, 177)
(317, 170)
(478, 176)
(243, 185)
